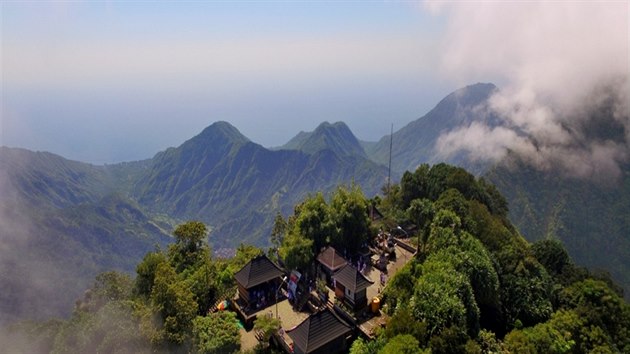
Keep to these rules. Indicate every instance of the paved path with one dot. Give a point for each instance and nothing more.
(402, 257)
(288, 318)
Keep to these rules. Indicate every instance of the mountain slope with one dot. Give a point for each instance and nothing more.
(60, 224)
(592, 220)
(237, 186)
(414, 143)
(42, 178)
(336, 137)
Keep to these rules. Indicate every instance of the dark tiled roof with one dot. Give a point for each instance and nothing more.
(352, 279)
(317, 330)
(331, 259)
(259, 270)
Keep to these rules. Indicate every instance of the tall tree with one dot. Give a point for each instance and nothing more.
(349, 210)
(176, 304)
(297, 252)
(190, 245)
(217, 333)
(314, 222)
(421, 212)
(279, 231)
(145, 271)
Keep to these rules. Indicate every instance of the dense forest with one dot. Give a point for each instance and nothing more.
(474, 286)
(477, 286)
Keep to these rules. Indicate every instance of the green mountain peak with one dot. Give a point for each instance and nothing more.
(336, 137)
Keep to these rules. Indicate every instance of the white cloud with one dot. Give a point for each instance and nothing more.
(483, 143)
(558, 63)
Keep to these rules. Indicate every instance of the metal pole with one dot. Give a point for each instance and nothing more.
(277, 291)
(389, 169)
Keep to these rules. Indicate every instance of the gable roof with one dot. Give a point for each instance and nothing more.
(257, 271)
(352, 279)
(318, 330)
(331, 259)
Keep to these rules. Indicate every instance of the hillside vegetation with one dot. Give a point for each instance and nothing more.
(478, 286)
(237, 186)
(61, 223)
(591, 218)
(475, 285)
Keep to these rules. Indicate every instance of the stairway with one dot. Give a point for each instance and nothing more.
(228, 294)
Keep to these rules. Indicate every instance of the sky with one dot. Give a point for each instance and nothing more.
(111, 81)
(106, 82)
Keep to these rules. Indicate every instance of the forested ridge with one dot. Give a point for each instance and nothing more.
(474, 286)
(478, 286)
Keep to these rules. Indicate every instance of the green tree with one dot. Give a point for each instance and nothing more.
(421, 213)
(525, 288)
(202, 282)
(493, 199)
(313, 221)
(402, 322)
(469, 257)
(361, 346)
(297, 252)
(402, 344)
(175, 303)
(599, 307)
(453, 200)
(217, 333)
(267, 325)
(552, 255)
(279, 231)
(437, 300)
(542, 338)
(145, 271)
(445, 231)
(112, 286)
(390, 205)
(108, 286)
(452, 339)
(190, 245)
(436, 180)
(349, 210)
(414, 186)
(400, 287)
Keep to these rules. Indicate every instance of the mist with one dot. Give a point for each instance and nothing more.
(34, 278)
(563, 71)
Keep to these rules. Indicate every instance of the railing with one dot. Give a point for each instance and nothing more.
(405, 245)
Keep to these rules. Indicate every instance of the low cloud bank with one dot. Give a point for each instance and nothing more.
(563, 71)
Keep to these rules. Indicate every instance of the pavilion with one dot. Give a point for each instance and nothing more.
(351, 287)
(321, 332)
(258, 284)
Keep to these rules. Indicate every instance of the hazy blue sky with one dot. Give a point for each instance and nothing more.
(116, 81)
(109, 81)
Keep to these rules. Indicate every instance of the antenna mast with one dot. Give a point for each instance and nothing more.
(389, 169)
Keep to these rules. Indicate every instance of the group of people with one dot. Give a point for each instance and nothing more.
(361, 265)
(261, 297)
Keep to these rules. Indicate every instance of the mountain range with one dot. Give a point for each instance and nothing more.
(63, 221)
